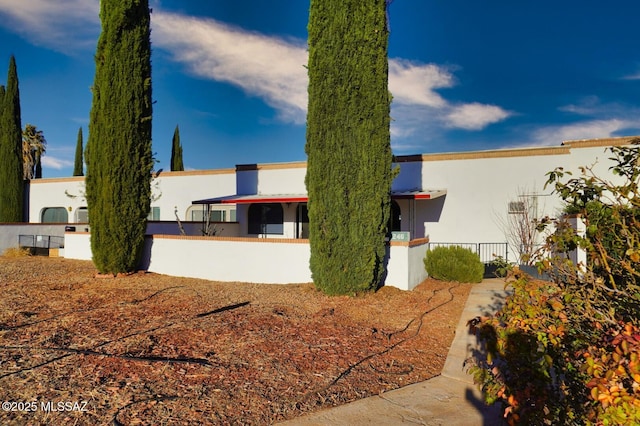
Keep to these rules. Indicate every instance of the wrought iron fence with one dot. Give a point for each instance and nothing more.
(41, 241)
(488, 252)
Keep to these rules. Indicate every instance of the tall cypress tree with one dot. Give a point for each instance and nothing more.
(11, 182)
(176, 152)
(77, 163)
(118, 153)
(348, 144)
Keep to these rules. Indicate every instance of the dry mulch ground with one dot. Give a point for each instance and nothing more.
(155, 349)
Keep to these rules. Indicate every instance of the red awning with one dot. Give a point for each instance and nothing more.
(303, 198)
(255, 198)
(428, 194)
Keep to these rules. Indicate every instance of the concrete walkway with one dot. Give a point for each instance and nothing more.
(449, 399)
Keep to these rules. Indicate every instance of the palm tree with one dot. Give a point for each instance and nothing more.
(34, 145)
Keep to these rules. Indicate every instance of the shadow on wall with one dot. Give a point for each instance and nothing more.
(385, 265)
(410, 176)
(428, 211)
(26, 202)
(246, 179)
(145, 256)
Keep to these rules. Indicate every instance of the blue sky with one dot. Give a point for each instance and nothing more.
(465, 75)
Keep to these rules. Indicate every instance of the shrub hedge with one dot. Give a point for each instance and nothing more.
(454, 263)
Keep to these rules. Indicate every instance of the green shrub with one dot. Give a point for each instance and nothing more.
(454, 264)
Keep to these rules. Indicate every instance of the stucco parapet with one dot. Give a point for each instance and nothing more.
(226, 171)
(604, 142)
(413, 243)
(503, 153)
(272, 166)
(234, 239)
(58, 179)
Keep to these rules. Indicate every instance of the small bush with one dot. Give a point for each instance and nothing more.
(16, 252)
(454, 264)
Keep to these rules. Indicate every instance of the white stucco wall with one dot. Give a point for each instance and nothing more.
(416, 271)
(230, 260)
(179, 189)
(282, 178)
(405, 269)
(77, 245)
(10, 235)
(480, 189)
(169, 190)
(398, 266)
(59, 192)
(256, 260)
(248, 260)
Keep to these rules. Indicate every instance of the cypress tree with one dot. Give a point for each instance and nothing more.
(77, 163)
(11, 170)
(176, 152)
(118, 153)
(348, 144)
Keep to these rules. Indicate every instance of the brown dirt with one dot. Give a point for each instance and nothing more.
(155, 349)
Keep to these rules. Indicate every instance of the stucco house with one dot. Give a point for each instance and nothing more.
(260, 215)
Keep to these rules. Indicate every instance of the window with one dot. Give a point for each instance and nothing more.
(266, 219)
(516, 207)
(214, 215)
(217, 215)
(196, 213)
(82, 215)
(154, 213)
(54, 215)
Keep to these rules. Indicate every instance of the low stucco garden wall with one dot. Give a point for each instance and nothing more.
(268, 261)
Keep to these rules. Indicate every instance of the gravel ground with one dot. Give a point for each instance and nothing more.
(155, 349)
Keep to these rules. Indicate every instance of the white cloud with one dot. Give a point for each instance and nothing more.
(418, 107)
(413, 83)
(635, 76)
(593, 129)
(63, 25)
(271, 68)
(475, 116)
(55, 163)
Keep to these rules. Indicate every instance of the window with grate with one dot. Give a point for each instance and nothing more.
(54, 215)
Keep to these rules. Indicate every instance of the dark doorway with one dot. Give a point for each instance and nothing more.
(302, 221)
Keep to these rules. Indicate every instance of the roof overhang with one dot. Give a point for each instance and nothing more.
(303, 198)
(428, 194)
